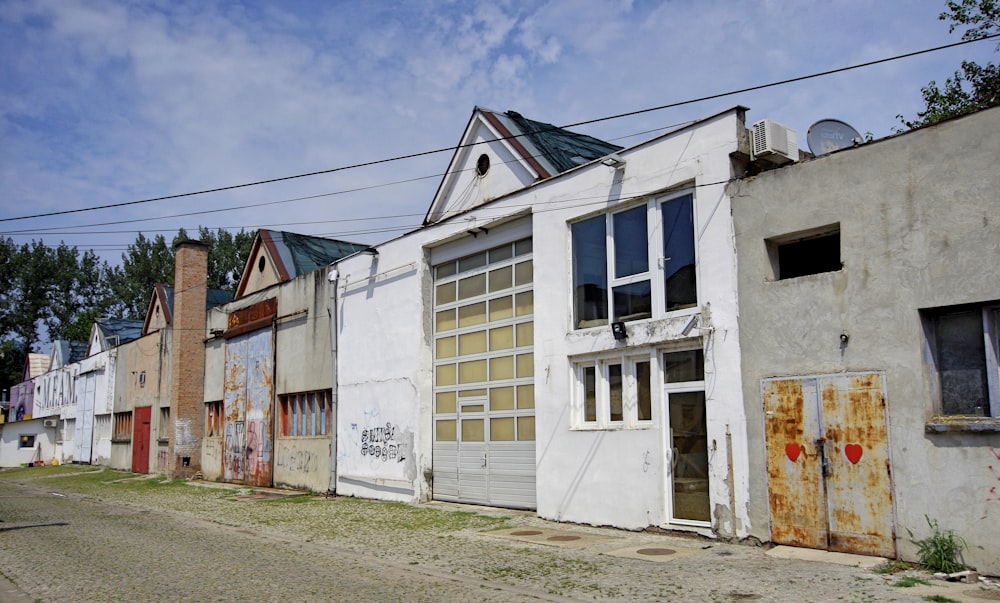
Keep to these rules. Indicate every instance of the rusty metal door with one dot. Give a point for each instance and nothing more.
(140, 439)
(248, 401)
(828, 463)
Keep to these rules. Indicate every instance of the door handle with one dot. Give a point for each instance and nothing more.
(824, 463)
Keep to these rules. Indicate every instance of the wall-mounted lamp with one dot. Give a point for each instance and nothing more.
(614, 161)
(690, 325)
(844, 337)
(618, 330)
(371, 251)
(216, 332)
(477, 231)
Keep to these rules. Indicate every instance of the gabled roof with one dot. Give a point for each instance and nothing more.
(112, 332)
(563, 149)
(163, 298)
(35, 365)
(518, 152)
(66, 352)
(281, 256)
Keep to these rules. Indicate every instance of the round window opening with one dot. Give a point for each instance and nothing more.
(260, 265)
(483, 164)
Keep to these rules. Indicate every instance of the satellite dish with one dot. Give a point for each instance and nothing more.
(828, 135)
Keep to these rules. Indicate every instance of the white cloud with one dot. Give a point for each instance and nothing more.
(107, 101)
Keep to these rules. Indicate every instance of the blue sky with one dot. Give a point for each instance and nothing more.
(107, 102)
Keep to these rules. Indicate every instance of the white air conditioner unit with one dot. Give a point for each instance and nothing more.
(773, 142)
(50, 423)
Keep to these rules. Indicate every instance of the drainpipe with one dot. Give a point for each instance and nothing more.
(333, 276)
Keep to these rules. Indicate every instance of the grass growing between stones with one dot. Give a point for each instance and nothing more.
(910, 581)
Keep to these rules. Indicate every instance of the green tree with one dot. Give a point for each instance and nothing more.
(974, 86)
(29, 294)
(144, 264)
(77, 295)
(227, 255)
(151, 261)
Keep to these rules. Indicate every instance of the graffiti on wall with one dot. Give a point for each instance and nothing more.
(995, 490)
(232, 452)
(211, 456)
(379, 443)
(297, 459)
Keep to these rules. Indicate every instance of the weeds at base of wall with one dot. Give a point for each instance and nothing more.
(893, 566)
(941, 551)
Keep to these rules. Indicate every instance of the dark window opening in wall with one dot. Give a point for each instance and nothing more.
(163, 427)
(483, 165)
(122, 428)
(306, 413)
(213, 419)
(964, 346)
(27, 441)
(803, 253)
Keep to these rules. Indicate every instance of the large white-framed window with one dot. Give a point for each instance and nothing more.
(614, 391)
(635, 263)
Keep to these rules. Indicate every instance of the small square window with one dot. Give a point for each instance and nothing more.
(807, 252)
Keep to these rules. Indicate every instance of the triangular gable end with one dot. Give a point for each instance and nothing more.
(158, 314)
(471, 181)
(264, 266)
(97, 343)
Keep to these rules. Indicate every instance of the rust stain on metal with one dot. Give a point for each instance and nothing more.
(248, 395)
(795, 485)
(827, 453)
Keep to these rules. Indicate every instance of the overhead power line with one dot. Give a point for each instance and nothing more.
(456, 147)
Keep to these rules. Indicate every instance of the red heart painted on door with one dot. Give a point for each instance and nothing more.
(792, 450)
(853, 452)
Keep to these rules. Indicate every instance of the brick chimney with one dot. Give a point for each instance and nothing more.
(187, 375)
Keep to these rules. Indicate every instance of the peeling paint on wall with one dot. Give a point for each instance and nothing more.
(186, 443)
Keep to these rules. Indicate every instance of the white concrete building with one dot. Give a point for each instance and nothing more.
(561, 335)
(56, 403)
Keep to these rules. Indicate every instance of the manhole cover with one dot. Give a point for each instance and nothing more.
(525, 533)
(656, 551)
(562, 538)
(988, 595)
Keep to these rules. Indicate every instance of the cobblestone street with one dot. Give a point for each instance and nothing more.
(109, 536)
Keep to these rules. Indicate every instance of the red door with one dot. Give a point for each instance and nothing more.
(140, 439)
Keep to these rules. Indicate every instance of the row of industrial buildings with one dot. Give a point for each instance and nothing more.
(709, 331)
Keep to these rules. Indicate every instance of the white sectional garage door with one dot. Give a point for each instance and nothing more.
(484, 408)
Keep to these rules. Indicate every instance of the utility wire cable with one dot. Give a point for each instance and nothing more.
(456, 147)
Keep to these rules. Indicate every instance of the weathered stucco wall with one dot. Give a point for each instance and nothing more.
(920, 228)
(302, 363)
(303, 462)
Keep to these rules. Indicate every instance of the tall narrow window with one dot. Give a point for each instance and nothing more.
(680, 283)
(590, 272)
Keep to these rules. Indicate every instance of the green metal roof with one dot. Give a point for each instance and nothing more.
(305, 253)
(563, 148)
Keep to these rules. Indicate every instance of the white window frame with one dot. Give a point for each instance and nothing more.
(654, 273)
(630, 391)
